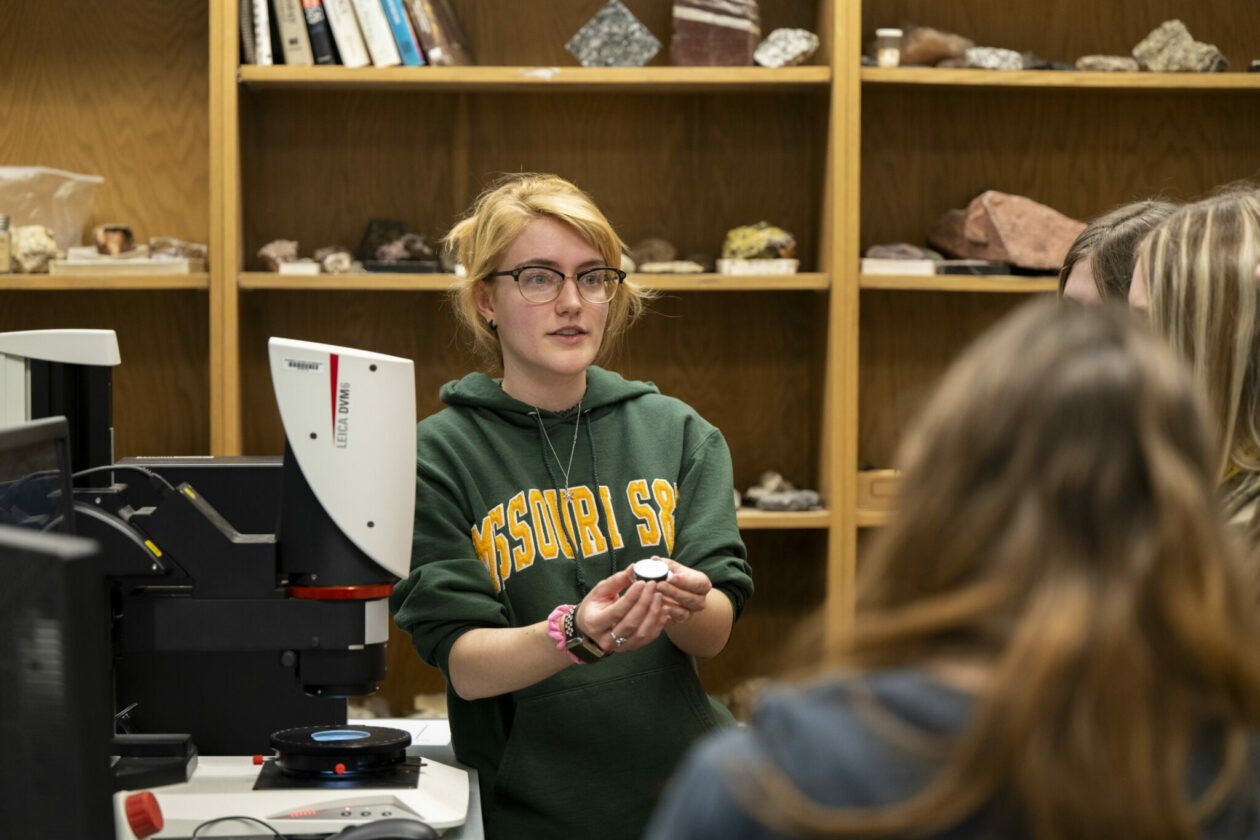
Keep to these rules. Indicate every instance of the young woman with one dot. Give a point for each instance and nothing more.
(1099, 265)
(572, 688)
(1196, 277)
(1051, 638)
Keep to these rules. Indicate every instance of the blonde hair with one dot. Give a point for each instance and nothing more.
(1199, 266)
(1058, 524)
(1110, 243)
(498, 217)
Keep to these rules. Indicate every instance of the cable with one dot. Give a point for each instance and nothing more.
(209, 823)
(154, 478)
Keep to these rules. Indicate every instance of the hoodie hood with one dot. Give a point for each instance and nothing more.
(604, 389)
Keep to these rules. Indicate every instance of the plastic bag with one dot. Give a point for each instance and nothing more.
(54, 198)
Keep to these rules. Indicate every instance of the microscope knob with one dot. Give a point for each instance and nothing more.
(143, 814)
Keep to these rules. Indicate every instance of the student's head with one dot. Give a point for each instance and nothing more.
(1058, 531)
(498, 218)
(1099, 265)
(1196, 276)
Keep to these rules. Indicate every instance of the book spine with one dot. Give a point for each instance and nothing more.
(262, 34)
(376, 35)
(345, 31)
(317, 30)
(404, 37)
(249, 53)
(295, 44)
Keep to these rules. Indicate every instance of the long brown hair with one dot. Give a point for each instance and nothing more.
(1058, 524)
(1110, 243)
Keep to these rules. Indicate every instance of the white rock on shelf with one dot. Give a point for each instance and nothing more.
(33, 247)
(786, 48)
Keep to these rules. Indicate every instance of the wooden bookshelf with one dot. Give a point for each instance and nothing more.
(959, 283)
(1061, 79)
(100, 282)
(814, 281)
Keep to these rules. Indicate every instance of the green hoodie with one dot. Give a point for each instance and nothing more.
(594, 744)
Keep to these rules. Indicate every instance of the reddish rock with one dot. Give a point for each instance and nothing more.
(715, 33)
(1007, 228)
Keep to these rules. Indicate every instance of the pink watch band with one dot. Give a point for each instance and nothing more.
(555, 631)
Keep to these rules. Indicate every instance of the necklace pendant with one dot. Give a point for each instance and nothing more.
(567, 495)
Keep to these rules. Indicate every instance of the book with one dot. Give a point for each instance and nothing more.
(404, 35)
(262, 34)
(317, 30)
(439, 33)
(295, 44)
(345, 30)
(249, 54)
(872, 265)
(376, 34)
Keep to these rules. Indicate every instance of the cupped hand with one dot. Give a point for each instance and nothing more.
(685, 592)
(622, 622)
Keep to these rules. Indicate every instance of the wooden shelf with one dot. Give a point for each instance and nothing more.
(98, 282)
(754, 519)
(1057, 80)
(959, 283)
(440, 282)
(539, 79)
(873, 518)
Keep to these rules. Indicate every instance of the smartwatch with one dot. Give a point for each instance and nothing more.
(577, 644)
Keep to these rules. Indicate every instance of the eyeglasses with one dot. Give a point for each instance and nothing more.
(541, 284)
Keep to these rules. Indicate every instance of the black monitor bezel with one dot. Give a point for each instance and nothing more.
(57, 431)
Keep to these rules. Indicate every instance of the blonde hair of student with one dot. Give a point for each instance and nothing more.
(1057, 533)
(498, 217)
(1110, 243)
(1199, 267)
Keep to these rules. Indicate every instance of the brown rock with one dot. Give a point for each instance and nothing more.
(1007, 228)
(926, 46)
(278, 251)
(715, 33)
(113, 239)
(653, 249)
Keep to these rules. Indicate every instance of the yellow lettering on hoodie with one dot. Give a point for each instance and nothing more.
(667, 499)
(483, 543)
(523, 554)
(544, 526)
(649, 528)
(587, 516)
(614, 534)
(563, 532)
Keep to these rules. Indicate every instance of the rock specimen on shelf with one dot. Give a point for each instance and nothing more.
(409, 246)
(1006, 228)
(671, 267)
(613, 38)
(774, 492)
(377, 233)
(1254, 67)
(34, 246)
(1032, 61)
(762, 241)
(278, 251)
(900, 251)
(705, 261)
(653, 249)
(334, 259)
(924, 46)
(169, 247)
(715, 33)
(1171, 49)
(994, 58)
(1108, 63)
(113, 239)
(786, 48)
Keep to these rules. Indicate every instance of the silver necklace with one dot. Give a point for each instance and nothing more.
(567, 491)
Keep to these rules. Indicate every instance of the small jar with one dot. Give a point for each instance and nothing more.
(888, 47)
(651, 570)
(6, 246)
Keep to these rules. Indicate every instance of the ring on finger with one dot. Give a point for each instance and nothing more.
(617, 640)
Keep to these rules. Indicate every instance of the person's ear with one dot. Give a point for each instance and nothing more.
(484, 300)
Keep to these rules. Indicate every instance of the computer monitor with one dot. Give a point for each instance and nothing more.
(54, 687)
(35, 476)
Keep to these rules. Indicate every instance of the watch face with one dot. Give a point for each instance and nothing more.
(583, 649)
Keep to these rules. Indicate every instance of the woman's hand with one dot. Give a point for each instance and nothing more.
(686, 591)
(622, 622)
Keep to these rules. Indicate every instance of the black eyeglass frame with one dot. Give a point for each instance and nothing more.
(515, 274)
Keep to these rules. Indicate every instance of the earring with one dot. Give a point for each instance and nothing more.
(493, 325)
